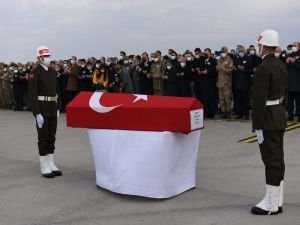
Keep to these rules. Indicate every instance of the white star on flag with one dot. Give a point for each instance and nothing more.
(140, 97)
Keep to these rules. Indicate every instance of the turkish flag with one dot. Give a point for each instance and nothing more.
(98, 110)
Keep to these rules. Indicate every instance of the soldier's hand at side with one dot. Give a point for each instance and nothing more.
(39, 120)
(260, 136)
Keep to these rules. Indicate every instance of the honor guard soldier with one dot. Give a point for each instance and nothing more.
(43, 89)
(269, 120)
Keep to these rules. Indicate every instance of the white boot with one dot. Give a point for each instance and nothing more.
(52, 165)
(45, 169)
(281, 197)
(269, 204)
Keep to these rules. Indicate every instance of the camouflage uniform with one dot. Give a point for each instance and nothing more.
(225, 67)
(6, 86)
(157, 70)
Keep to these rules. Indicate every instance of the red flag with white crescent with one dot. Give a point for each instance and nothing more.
(98, 110)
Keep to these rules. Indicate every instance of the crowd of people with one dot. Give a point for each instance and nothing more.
(221, 80)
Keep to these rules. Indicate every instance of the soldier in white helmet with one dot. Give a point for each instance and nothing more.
(269, 120)
(43, 90)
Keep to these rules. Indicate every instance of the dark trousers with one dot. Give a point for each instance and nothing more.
(273, 156)
(242, 103)
(46, 136)
(294, 100)
(19, 103)
(210, 107)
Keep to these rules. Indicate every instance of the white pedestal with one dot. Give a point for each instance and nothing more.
(149, 164)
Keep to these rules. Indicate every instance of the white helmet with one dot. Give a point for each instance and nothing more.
(42, 50)
(269, 38)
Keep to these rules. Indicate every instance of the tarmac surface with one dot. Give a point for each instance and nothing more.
(230, 180)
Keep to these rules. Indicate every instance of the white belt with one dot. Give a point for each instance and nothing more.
(273, 102)
(47, 98)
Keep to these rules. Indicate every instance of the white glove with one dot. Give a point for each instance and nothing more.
(57, 114)
(39, 120)
(260, 136)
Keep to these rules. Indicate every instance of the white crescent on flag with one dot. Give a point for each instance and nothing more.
(95, 104)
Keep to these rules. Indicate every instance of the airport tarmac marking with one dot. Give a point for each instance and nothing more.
(253, 139)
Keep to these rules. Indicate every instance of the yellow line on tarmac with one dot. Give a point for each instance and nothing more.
(254, 138)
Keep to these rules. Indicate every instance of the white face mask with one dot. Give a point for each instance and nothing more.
(288, 51)
(277, 54)
(252, 52)
(223, 55)
(4, 69)
(121, 57)
(15, 71)
(169, 67)
(156, 59)
(217, 57)
(189, 58)
(197, 56)
(47, 61)
(97, 65)
(173, 57)
(294, 49)
(182, 64)
(126, 61)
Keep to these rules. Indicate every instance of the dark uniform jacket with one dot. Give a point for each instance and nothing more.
(270, 83)
(294, 73)
(43, 83)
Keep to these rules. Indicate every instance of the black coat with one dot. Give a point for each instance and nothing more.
(242, 78)
(208, 82)
(294, 74)
(171, 82)
(184, 77)
(146, 83)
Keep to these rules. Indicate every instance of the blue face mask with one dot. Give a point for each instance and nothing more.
(241, 54)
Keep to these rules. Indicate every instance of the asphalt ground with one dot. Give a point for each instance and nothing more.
(230, 180)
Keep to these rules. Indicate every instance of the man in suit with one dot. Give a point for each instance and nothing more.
(269, 120)
(43, 89)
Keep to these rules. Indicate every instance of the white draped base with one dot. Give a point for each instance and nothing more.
(142, 163)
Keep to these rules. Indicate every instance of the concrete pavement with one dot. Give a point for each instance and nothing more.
(230, 179)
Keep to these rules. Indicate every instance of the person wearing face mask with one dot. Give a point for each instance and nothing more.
(85, 82)
(269, 121)
(18, 89)
(208, 88)
(225, 67)
(157, 71)
(198, 63)
(289, 49)
(44, 95)
(170, 79)
(293, 63)
(242, 84)
(62, 83)
(125, 79)
(121, 59)
(100, 79)
(72, 73)
(135, 72)
(255, 60)
(184, 78)
(146, 79)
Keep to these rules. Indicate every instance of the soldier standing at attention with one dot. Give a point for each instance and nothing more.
(225, 67)
(269, 120)
(157, 71)
(43, 90)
